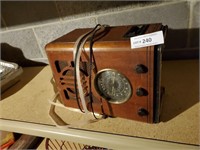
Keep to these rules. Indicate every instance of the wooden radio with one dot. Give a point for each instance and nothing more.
(115, 79)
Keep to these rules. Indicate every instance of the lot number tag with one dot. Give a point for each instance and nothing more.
(150, 39)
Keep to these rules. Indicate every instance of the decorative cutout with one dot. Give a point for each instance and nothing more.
(66, 72)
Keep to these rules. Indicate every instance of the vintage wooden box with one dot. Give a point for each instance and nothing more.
(125, 82)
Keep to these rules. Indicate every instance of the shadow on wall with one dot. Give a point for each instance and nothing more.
(181, 44)
(13, 54)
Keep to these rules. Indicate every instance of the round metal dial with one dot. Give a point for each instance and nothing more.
(113, 86)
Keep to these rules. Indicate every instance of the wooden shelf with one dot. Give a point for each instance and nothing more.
(24, 109)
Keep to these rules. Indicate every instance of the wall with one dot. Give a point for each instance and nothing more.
(29, 26)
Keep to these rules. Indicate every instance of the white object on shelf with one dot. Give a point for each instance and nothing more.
(9, 74)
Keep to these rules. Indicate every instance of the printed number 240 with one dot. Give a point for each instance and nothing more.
(147, 40)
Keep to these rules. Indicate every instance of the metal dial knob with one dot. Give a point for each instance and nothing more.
(140, 68)
(141, 92)
(142, 112)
